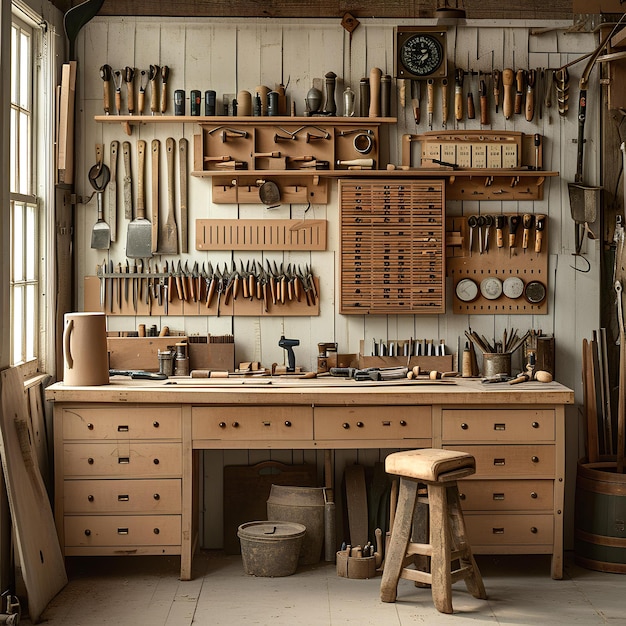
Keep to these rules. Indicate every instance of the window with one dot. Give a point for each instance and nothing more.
(25, 218)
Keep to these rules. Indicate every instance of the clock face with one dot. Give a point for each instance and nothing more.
(421, 54)
(491, 288)
(466, 290)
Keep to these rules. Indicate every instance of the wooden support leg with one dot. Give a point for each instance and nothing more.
(473, 580)
(400, 536)
(440, 542)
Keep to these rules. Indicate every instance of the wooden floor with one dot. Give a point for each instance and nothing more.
(145, 591)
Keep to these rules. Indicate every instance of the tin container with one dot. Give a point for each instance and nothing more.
(496, 363)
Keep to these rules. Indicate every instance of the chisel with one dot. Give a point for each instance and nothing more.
(153, 74)
(508, 78)
(540, 224)
(484, 103)
(416, 94)
(499, 228)
(520, 79)
(471, 109)
(129, 79)
(444, 102)
(514, 221)
(527, 224)
(458, 96)
(495, 76)
(430, 89)
(530, 95)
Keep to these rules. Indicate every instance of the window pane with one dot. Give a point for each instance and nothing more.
(24, 71)
(18, 324)
(18, 239)
(31, 243)
(13, 153)
(14, 62)
(24, 171)
(30, 329)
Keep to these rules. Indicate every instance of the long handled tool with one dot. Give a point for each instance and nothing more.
(76, 18)
(99, 176)
(168, 240)
(183, 146)
(139, 234)
(156, 149)
(621, 403)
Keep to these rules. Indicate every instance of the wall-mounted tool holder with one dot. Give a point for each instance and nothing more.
(481, 164)
(392, 246)
(261, 234)
(251, 291)
(237, 189)
(498, 263)
(286, 144)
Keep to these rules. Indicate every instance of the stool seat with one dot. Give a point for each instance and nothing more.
(431, 465)
(432, 562)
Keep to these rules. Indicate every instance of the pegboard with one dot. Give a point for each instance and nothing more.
(500, 262)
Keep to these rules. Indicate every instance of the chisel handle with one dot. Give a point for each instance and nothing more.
(106, 96)
(508, 78)
(458, 101)
(519, 93)
(402, 92)
(118, 101)
(141, 101)
(154, 96)
(471, 110)
(430, 95)
(444, 101)
(375, 76)
(484, 104)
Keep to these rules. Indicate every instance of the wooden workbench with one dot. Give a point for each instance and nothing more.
(126, 453)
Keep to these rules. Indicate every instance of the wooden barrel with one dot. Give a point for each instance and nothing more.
(600, 516)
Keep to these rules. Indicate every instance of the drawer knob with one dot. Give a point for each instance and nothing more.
(346, 425)
(535, 459)
(156, 424)
(156, 461)
(235, 424)
(90, 461)
(156, 496)
(461, 496)
(222, 424)
(287, 423)
(464, 426)
(89, 426)
(533, 494)
(535, 424)
(533, 530)
(87, 532)
(359, 424)
(90, 498)
(156, 531)
(402, 422)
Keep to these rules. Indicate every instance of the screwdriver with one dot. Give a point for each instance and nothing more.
(530, 95)
(444, 102)
(484, 104)
(430, 89)
(499, 229)
(458, 95)
(495, 75)
(540, 224)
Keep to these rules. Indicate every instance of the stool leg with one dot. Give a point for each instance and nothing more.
(440, 566)
(473, 581)
(400, 535)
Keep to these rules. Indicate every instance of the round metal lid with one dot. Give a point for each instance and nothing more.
(271, 530)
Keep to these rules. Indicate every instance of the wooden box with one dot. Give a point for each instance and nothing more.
(206, 355)
(139, 353)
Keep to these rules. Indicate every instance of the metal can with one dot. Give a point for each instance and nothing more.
(196, 101)
(179, 102)
(209, 102)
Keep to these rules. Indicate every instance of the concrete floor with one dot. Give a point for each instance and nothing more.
(145, 591)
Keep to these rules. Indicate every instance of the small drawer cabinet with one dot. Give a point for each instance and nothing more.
(513, 503)
(119, 479)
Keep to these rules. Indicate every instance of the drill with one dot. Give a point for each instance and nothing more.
(288, 345)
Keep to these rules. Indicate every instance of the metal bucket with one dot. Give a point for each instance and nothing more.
(496, 363)
(270, 548)
(600, 516)
(302, 505)
(584, 204)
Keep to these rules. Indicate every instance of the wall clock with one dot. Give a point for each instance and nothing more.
(420, 52)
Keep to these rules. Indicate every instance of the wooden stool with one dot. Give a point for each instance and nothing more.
(439, 471)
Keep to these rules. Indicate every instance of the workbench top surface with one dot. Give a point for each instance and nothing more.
(315, 391)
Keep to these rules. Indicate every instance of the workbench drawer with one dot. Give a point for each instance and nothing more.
(123, 496)
(498, 425)
(122, 422)
(512, 461)
(122, 530)
(512, 529)
(130, 460)
(252, 423)
(507, 495)
(373, 422)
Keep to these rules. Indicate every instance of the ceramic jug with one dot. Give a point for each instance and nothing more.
(85, 358)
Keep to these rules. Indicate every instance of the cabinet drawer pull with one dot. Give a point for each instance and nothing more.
(533, 494)
(156, 424)
(535, 424)
(402, 422)
(156, 461)
(122, 531)
(499, 426)
(87, 532)
(461, 496)
(497, 531)
(123, 497)
(267, 423)
(122, 428)
(498, 496)
(533, 530)
(90, 461)
(222, 424)
(345, 425)
(464, 426)
(535, 459)
(90, 498)
(156, 531)
(157, 496)
(89, 426)
(499, 461)
(124, 460)
(386, 423)
(359, 424)
(288, 424)
(235, 424)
